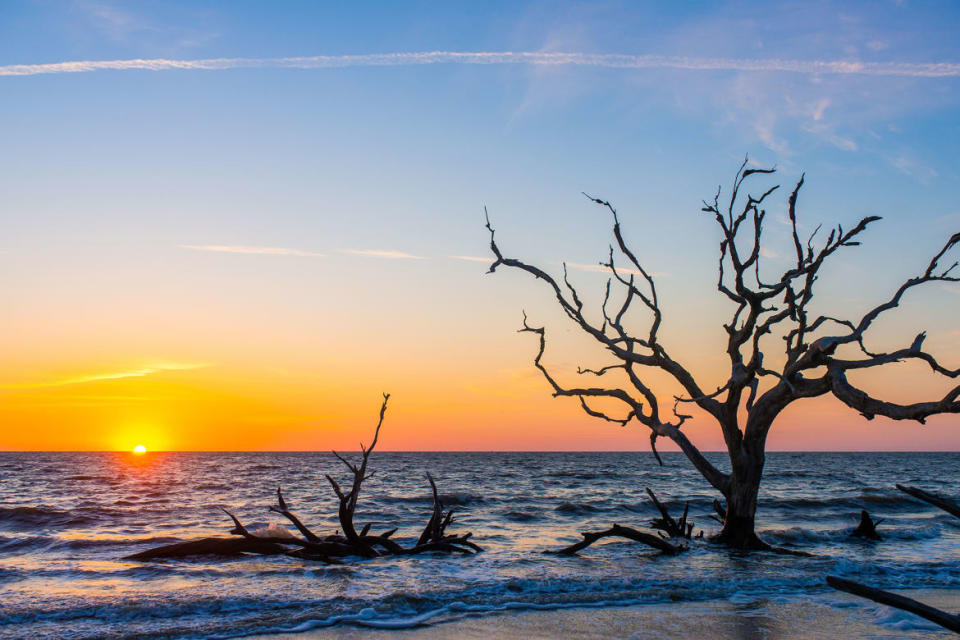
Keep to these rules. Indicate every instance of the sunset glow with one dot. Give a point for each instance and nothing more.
(256, 250)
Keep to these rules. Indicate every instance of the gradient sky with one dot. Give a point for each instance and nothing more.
(231, 225)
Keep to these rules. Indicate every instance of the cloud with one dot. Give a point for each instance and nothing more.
(599, 268)
(608, 61)
(489, 260)
(269, 251)
(97, 377)
(377, 253)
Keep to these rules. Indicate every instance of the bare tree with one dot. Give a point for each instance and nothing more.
(818, 353)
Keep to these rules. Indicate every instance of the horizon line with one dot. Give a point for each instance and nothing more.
(646, 451)
(601, 60)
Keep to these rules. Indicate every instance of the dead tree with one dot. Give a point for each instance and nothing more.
(939, 502)
(937, 616)
(819, 351)
(329, 548)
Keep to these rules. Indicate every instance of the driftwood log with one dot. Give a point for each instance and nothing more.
(932, 614)
(867, 528)
(589, 537)
(940, 502)
(328, 548)
(667, 527)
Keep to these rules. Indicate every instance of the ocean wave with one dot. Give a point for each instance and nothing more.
(576, 508)
(520, 516)
(18, 518)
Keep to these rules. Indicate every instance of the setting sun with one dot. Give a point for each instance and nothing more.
(139, 449)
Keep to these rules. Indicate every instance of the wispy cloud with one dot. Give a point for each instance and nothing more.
(268, 251)
(378, 253)
(610, 61)
(474, 259)
(599, 268)
(98, 377)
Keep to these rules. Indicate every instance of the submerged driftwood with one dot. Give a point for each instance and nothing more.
(932, 614)
(328, 548)
(667, 527)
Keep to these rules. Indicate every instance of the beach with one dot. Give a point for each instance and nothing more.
(819, 618)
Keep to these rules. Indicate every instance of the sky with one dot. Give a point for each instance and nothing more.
(233, 225)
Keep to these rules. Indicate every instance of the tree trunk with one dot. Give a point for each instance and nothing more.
(738, 525)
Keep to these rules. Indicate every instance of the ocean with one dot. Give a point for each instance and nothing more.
(68, 519)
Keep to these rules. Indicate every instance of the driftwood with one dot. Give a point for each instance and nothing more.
(589, 537)
(867, 528)
(329, 547)
(210, 547)
(666, 526)
(673, 528)
(940, 502)
(937, 616)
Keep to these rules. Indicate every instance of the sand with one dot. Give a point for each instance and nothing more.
(819, 617)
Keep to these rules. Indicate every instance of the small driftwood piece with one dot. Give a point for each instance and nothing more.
(940, 502)
(867, 528)
(589, 537)
(932, 614)
(330, 547)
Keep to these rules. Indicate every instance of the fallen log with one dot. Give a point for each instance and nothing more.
(903, 603)
(210, 547)
(940, 502)
(589, 537)
(867, 528)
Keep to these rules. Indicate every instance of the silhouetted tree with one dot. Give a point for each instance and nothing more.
(819, 350)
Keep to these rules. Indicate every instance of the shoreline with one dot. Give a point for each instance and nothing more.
(818, 617)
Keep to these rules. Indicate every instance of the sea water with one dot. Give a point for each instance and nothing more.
(68, 519)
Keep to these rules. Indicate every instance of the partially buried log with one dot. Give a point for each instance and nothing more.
(932, 614)
(940, 502)
(328, 548)
(867, 528)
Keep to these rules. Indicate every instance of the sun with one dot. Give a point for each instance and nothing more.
(139, 449)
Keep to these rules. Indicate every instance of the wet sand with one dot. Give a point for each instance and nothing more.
(820, 617)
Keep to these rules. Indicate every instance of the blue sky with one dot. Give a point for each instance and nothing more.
(326, 196)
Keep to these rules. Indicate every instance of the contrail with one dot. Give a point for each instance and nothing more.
(608, 61)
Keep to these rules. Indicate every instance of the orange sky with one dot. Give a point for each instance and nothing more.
(460, 376)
